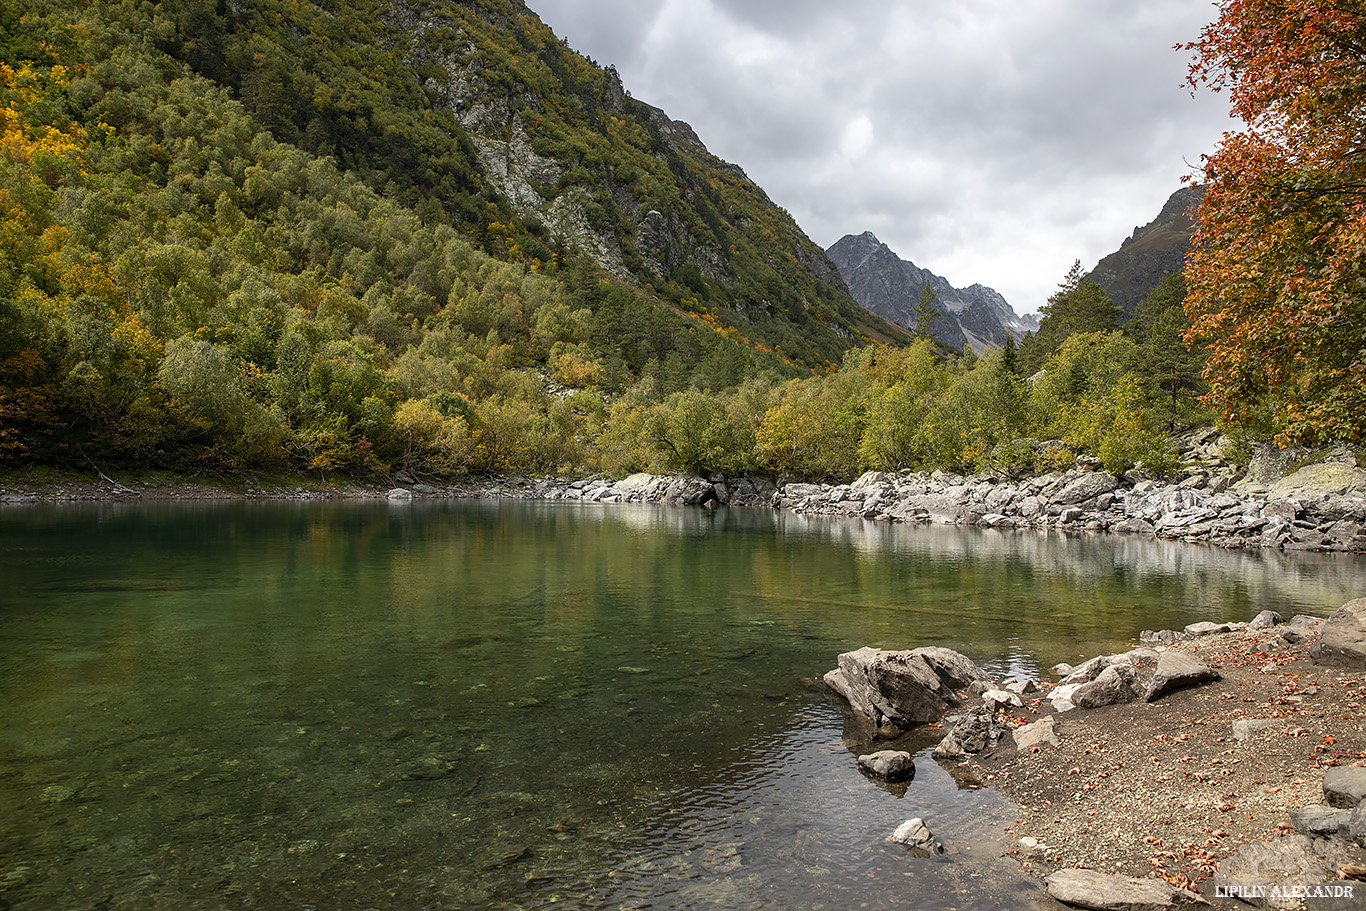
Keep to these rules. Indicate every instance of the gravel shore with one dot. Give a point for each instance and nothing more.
(1174, 787)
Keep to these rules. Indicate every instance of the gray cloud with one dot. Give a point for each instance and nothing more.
(991, 141)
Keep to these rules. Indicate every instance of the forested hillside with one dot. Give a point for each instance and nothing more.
(354, 238)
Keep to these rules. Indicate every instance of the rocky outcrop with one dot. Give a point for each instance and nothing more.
(1150, 254)
(897, 690)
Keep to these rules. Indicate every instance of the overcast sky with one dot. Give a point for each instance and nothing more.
(989, 141)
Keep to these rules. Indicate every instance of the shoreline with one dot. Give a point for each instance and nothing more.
(1087, 801)
(1173, 789)
(1319, 508)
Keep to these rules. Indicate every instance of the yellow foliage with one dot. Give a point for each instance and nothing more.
(20, 137)
(572, 370)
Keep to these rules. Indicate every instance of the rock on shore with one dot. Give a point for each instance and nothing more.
(896, 690)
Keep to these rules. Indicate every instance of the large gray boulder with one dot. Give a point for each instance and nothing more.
(689, 491)
(1342, 642)
(1177, 670)
(1112, 892)
(1320, 821)
(1112, 686)
(1264, 870)
(1087, 487)
(901, 689)
(1344, 786)
(1356, 826)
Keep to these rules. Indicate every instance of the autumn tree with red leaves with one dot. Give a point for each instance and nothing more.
(1277, 272)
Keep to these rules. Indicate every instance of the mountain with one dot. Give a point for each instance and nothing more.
(348, 237)
(1150, 254)
(475, 110)
(889, 286)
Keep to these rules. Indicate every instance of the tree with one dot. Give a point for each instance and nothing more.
(1079, 305)
(1279, 253)
(926, 312)
(1170, 368)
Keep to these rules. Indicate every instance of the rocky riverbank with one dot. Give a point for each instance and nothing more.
(1274, 503)
(1222, 763)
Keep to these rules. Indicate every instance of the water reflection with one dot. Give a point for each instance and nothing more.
(498, 704)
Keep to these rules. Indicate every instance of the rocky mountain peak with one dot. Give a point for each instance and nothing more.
(889, 286)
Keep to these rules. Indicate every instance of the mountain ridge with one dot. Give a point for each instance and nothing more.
(1152, 252)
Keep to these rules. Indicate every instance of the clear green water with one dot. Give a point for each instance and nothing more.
(506, 705)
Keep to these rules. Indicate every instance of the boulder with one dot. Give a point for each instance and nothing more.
(1320, 821)
(1356, 825)
(1342, 641)
(1206, 628)
(1136, 659)
(974, 732)
(1177, 670)
(1274, 869)
(891, 765)
(1061, 696)
(1035, 735)
(995, 700)
(689, 491)
(1265, 620)
(1088, 486)
(1344, 786)
(1112, 686)
(914, 834)
(1112, 892)
(1134, 525)
(904, 688)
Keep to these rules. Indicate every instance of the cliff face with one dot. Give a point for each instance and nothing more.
(889, 286)
(1150, 254)
(571, 151)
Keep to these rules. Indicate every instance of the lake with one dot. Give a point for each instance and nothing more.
(499, 704)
